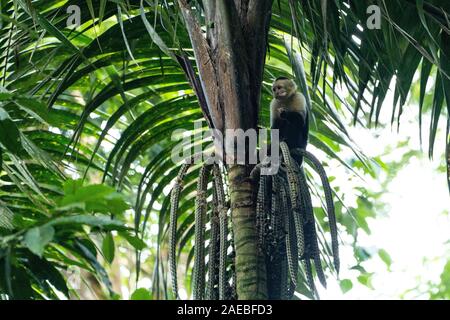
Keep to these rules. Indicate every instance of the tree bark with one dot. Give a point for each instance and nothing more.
(251, 275)
(230, 59)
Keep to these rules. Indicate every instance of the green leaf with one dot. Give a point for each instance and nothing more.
(421, 13)
(438, 100)
(9, 133)
(37, 238)
(94, 221)
(116, 204)
(102, 10)
(346, 285)
(19, 284)
(33, 107)
(51, 29)
(91, 257)
(71, 186)
(362, 254)
(366, 280)
(88, 193)
(424, 75)
(117, 82)
(47, 271)
(124, 36)
(141, 294)
(5, 96)
(135, 241)
(93, 199)
(108, 247)
(154, 35)
(385, 257)
(6, 217)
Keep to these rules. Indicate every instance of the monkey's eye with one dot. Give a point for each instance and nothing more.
(274, 89)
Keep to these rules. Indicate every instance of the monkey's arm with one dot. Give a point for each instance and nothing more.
(293, 116)
(296, 128)
(297, 119)
(278, 123)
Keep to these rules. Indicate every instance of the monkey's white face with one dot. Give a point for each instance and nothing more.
(281, 90)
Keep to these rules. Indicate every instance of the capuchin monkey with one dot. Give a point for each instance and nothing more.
(289, 113)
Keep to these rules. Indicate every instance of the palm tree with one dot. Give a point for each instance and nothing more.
(139, 70)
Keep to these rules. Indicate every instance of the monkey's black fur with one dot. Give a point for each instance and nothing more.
(293, 128)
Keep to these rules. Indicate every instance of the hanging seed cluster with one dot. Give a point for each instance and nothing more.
(287, 231)
(287, 226)
(215, 279)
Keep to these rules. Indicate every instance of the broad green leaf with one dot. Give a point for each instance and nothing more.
(71, 186)
(89, 220)
(136, 242)
(141, 294)
(108, 247)
(87, 193)
(346, 285)
(366, 280)
(92, 198)
(385, 257)
(36, 239)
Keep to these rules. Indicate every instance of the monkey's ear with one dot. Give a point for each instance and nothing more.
(293, 85)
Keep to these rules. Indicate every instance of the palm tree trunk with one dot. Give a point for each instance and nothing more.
(230, 62)
(250, 264)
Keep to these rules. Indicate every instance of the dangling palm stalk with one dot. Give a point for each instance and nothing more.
(218, 285)
(285, 223)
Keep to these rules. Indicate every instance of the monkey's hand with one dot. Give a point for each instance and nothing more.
(281, 112)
